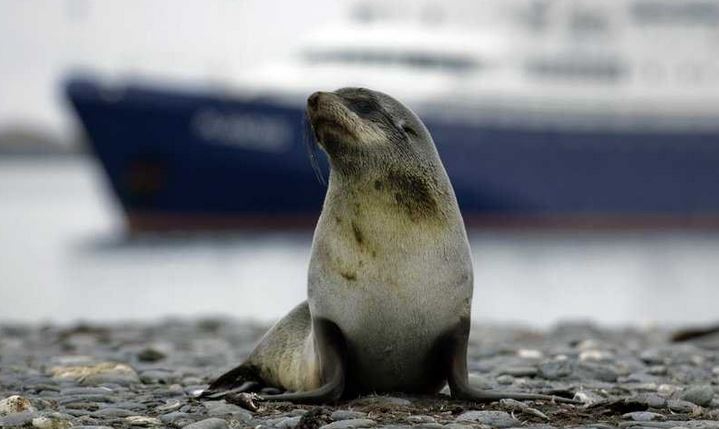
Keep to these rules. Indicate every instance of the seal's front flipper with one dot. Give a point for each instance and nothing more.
(244, 378)
(331, 348)
(454, 348)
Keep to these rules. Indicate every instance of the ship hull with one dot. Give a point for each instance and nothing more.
(179, 160)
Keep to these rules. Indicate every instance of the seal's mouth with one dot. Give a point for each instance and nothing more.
(329, 119)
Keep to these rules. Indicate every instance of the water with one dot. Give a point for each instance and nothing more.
(64, 257)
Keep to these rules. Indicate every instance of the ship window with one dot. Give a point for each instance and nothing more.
(676, 12)
(415, 60)
(572, 69)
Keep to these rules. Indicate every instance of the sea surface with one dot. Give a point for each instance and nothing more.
(64, 257)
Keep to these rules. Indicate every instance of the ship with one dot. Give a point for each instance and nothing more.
(547, 112)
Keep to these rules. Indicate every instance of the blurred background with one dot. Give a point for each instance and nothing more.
(154, 157)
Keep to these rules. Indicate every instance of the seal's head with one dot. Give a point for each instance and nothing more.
(381, 154)
(358, 126)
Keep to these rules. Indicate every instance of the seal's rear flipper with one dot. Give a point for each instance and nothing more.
(244, 378)
(454, 347)
(331, 347)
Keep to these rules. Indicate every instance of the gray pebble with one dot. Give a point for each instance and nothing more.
(347, 415)
(680, 406)
(519, 371)
(496, 419)
(288, 422)
(113, 412)
(17, 419)
(505, 380)
(700, 395)
(221, 408)
(170, 405)
(350, 424)
(91, 427)
(643, 416)
(172, 418)
(421, 419)
(651, 400)
(211, 423)
(555, 369)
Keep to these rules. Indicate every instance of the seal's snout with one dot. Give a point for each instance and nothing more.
(314, 100)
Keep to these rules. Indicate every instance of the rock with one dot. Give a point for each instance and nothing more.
(700, 395)
(113, 412)
(350, 424)
(143, 421)
(222, 408)
(421, 419)
(150, 355)
(288, 422)
(155, 376)
(170, 405)
(643, 416)
(519, 371)
(384, 400)
(106, 372)
(555, 369)
(211, 423)
(51, 422)
(680, 406)
(651, 400)
(495, 419)
(172, 418)
(347, 415)
(505, 380)
(15, 404)
(17, 419)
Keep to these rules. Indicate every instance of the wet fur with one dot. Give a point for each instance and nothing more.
(390, 276)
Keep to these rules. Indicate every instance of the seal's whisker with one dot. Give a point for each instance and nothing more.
(311, 145)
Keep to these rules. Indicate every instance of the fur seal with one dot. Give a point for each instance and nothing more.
(390, 277)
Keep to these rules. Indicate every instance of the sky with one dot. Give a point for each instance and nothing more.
(42, 42)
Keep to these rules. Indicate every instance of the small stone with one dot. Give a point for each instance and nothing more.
(519, 371)
(384, 400)
(150, 355)
(15, 404)
(143, 421)
(700, 395)
(113, 412)
(679, 406)
(170, 405)
(505, 380)
(158, 376)
(211, 423)
(651, 400)
(555, 369)
(350, 424)
(595, 355)
(530, 354)
(421, 419)
(106, 372)
(221, 408)
(288, 422)
(51, 422)
(172, 418)
(347, 415)
(643, 416)
(17, 419)
(657, 370)
(495, 419)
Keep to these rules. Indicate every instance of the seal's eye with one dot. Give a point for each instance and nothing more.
(409, 130)
(362, 106)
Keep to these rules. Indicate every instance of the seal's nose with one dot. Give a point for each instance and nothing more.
(314, 100)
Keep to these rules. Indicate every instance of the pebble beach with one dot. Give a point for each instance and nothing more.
(149, 374)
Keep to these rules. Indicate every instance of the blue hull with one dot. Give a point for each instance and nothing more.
(178, 160)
